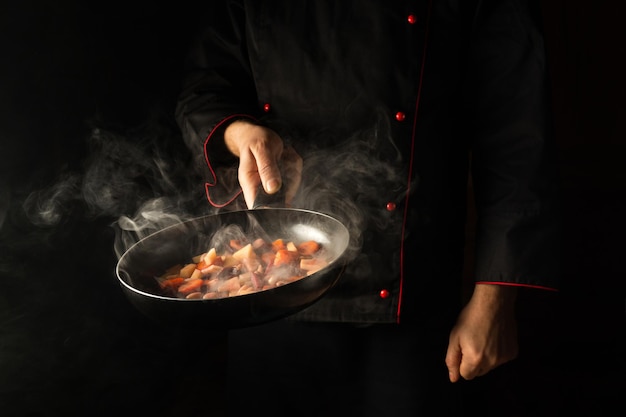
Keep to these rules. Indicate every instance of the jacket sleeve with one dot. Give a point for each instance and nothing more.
(513, 158)
(217, 88)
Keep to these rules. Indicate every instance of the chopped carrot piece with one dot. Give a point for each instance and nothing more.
(201, 265)
(308, 247)
(190, 285)
(278, 244)
(172, 283)
(285, 257)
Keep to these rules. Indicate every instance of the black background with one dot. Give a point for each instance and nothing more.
(69, 341)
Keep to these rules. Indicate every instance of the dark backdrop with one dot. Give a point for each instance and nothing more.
(69, 341)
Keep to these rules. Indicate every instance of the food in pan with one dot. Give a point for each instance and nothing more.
(243, 268)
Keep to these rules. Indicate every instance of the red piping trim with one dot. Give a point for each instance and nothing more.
(516, 284)
(213, 183)
(406, 199)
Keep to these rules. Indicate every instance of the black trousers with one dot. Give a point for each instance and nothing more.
(320, 369)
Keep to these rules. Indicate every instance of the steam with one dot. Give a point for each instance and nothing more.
(142, 185)
(138, 179)
(48, 206)
(350, 179)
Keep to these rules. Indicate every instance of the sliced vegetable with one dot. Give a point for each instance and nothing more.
(308, 248)
(244, 268)
(190, 285)
(285, 257)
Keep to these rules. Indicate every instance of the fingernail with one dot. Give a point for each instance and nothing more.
(272, 186)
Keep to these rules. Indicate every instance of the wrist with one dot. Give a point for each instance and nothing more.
(497, 295)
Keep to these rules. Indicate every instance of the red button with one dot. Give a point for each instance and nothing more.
(384, 294)
(391, 206)
(266, 107)
(400, 116)
(411, 19)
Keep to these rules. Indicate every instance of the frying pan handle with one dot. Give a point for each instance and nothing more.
(265, 200)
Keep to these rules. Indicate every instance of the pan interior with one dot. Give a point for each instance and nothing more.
(176, 244)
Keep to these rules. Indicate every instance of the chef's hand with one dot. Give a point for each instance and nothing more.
(485, 334)
(260, 151)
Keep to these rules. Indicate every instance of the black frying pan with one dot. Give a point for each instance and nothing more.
(138, 266)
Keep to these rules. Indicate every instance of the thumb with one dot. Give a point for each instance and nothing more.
(453, 361)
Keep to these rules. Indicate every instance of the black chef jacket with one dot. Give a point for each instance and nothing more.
(391, 104)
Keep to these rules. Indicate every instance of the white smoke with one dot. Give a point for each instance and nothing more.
(141, 180)
(135, 179)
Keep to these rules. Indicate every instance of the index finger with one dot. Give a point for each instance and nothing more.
(269, 173)
(257, 169)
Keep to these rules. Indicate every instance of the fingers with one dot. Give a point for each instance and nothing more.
(259, 149)
(470, 370)
(268, 171)
(248, 178)
(291, 164)
(263, 169)
(264, 160)
(453, 361)
(463, 363)
(459, 368)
